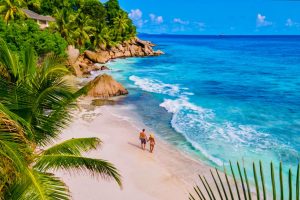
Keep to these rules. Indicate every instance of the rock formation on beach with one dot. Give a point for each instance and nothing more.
(132, 48)
(104, 86)
(85, 63)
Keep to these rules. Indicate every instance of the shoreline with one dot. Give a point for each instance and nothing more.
(165, 174)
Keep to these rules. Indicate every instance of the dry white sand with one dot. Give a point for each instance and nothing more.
(166, 174)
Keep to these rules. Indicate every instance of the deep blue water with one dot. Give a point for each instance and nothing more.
(220, 98)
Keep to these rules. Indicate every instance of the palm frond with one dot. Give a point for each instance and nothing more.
(8, 62)
(74, 146)
(95, 167)
(29, 61)
(212, 188)
(38, 186)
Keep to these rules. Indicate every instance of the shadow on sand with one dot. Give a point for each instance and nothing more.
(137, 146)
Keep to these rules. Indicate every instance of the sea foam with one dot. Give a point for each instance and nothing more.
(155, 86)
(200, 126)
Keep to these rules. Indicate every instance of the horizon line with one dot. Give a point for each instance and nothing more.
(219, 35)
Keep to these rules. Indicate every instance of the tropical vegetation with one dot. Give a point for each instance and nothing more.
(35, 105)
(36, 100)
(20, 34)
(241, 188)
(87, 24)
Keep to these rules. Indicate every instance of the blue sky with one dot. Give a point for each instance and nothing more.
(215, 16)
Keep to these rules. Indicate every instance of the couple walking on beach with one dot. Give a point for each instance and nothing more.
(144, 140)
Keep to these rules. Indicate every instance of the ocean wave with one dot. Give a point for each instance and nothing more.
(156, 86)
(211, 137)
(207, 132)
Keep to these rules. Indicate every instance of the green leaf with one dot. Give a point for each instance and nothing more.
(281, 182)
(235, 181)
(95, 167)
(74, 146)
(273, 181)
(216, 185)
(228, 184)
(221, 182)
(242, 180)
(290, 185)
(248, 186)
(256, 182)
(262, 180)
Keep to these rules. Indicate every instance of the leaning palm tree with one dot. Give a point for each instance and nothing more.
(38, 100)
(9, 9)
(240, 188)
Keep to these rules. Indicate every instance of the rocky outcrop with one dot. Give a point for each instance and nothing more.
(132, 48)
(104, 86)
(85, 63)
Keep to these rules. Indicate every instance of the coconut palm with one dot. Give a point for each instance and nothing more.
(101, 37)
(62, 24)
(121, 24)
(82, 29)
(38, 100)
(13, 148)
(9, 9)
(240, 188)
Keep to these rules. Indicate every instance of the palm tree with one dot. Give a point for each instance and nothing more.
(33, 4)
(101, 37)
(239, 187)
(121, 24)
(82, 29)
(9, 9)
(62, 24)
(37, 100)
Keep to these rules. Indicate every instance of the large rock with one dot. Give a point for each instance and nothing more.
(73, 54)
(104, 86)
(98, 57)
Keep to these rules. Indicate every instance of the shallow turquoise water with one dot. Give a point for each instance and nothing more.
(220, 98)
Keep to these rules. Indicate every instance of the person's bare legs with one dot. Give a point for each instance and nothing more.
(151, 148)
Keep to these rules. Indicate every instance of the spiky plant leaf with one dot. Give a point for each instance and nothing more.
(281, 182)
(235, 181)
(273, 181)
(38, 186)
(74, 146)
(95, 167)
(221, 182)
(262, 180)
(242, 181)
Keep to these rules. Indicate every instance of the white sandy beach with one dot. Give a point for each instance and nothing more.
(166, 174)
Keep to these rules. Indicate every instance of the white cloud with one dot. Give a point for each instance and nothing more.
(136, 16)
(180, 21)
(261, 21)
(156, 19)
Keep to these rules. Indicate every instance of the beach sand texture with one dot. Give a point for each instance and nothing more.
(166, 174)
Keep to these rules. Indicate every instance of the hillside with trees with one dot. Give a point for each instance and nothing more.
(86, 24)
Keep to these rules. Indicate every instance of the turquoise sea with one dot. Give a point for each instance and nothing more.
(220, 98)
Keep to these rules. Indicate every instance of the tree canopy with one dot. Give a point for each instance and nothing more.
(87, 24)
